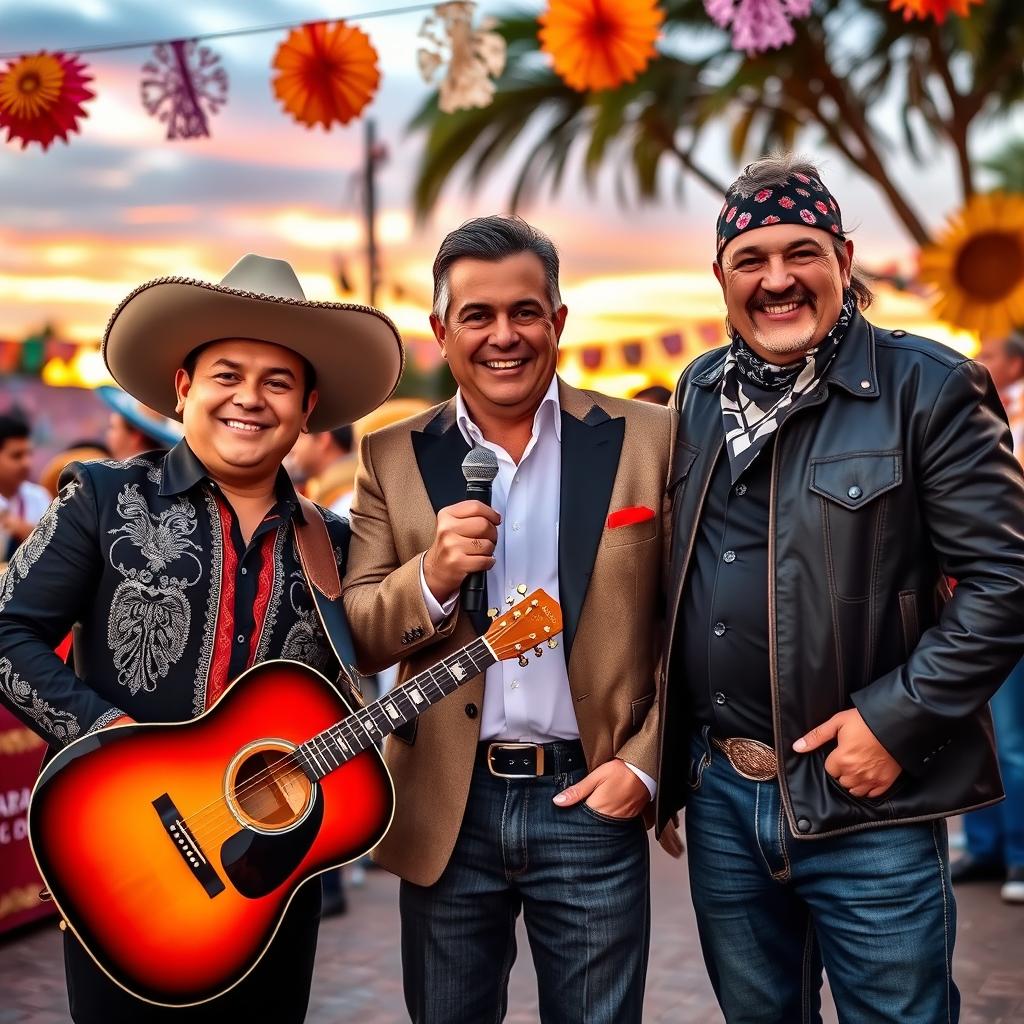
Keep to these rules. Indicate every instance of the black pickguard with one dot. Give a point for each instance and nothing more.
(256, 864)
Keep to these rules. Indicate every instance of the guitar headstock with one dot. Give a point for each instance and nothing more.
(532, 624)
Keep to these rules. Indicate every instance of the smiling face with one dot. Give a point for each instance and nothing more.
(243, 408)
(783, 288)
(500, 335)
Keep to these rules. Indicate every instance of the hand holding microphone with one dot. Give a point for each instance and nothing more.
(463, 547)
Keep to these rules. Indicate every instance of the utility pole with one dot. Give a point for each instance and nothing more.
(370, 206)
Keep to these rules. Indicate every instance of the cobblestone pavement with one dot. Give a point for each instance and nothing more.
(358, 981)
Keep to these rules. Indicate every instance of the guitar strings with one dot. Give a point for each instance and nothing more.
(215, 822)
(368, 712)
(225, 824)
(219, 822)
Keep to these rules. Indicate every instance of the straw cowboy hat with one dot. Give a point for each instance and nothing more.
(355, 350)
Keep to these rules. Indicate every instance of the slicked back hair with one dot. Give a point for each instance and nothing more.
(775, 170)
(492, 239)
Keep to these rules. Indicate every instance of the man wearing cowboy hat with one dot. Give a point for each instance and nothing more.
(180, 569)
(133, 429)
(824, 707)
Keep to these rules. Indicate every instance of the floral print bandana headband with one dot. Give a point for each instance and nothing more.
(801, 199)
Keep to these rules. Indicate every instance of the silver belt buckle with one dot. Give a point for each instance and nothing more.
(538, 760)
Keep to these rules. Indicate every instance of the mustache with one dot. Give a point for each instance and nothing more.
(794, 294)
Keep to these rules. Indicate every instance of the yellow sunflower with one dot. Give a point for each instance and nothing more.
(977, 265)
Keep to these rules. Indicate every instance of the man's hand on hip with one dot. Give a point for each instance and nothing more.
(611, 789)
(463, 543)
(860, 764)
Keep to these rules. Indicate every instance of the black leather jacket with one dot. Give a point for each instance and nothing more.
(898, 475)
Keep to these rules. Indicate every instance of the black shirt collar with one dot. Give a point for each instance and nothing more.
(182, 471)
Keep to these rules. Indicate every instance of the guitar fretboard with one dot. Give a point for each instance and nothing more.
(330, 749)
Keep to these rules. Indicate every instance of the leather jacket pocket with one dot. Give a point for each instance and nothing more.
(852, 516)
(640, 707)
(909, 621)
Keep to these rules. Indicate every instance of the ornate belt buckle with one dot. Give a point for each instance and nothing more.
(538, 760)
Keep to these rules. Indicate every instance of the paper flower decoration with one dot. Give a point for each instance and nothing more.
(599, 44)
(977, 265)
(474, 57)
(327, 72)
(937, 9)
(41, 97)
(758, 25)
(181, 84)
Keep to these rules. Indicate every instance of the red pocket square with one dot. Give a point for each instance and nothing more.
(629, 516)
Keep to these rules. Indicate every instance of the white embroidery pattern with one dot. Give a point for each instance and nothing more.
(154, 470)
(212, 605)
(274, 604)
(62, 725)
(148, 626)
(35, 544)
(305, 641)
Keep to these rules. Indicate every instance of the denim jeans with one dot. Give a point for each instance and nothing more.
(875, 907)
(582, 882)
(996, 833)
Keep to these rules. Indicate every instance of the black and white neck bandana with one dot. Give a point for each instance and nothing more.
(757, 396)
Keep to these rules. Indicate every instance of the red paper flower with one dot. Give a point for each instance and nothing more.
(328, 73)
(41, 97)
(937, 9)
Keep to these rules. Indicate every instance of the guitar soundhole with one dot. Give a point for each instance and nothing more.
(267, 787)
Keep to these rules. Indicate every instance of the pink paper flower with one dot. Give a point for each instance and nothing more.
(758, 25)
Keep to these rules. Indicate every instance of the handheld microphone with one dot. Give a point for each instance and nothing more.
(479, 468)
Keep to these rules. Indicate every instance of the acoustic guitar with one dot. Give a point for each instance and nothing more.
(173, 850)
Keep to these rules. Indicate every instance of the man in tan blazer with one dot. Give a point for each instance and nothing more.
(528, 788)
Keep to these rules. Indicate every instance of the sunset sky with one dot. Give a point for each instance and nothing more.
(82, 224)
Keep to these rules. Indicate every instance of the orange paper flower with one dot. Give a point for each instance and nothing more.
(599, 44)
(937, 9)
(328, 73)
(41, 97)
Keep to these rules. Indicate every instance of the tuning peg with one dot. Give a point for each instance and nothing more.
(547, 629)
(492, 613)
(534, 603)
(517, 647)
(517, 614)
(521, 590)
(522, 661)
(537, 650)
(552, 643)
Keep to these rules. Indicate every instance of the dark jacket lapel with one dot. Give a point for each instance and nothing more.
(590, 460)
(440, 449)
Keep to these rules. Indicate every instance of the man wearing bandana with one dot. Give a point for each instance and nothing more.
(825, 701)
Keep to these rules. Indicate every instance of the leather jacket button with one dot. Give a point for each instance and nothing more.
(719, 629)
(471, 711)
(899, 334)
(720, 698)
(854, 492)
(729, 557)
(803, 825)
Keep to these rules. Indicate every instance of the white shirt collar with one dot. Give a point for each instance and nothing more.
(471, 432)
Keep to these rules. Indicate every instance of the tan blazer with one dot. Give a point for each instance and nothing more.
(615, 454)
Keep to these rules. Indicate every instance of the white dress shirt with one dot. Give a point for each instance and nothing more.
(532, 704)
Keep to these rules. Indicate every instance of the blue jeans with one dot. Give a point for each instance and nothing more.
(582, 882)
(875, 907)
(996, 833)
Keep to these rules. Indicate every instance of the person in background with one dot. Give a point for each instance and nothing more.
(22, 503)
(995, 835)
(327, 464)
(80, 451)
(134, 429)
(656, 394)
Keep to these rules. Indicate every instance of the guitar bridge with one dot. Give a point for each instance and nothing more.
(185, 843)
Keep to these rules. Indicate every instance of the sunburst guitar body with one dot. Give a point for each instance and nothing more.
(173, 850)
